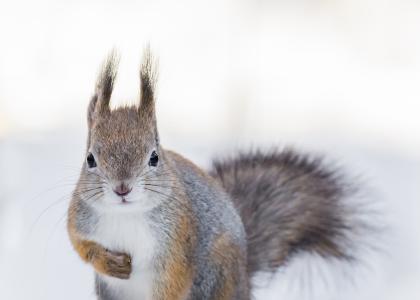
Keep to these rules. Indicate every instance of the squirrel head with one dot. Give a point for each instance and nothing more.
(123, 145)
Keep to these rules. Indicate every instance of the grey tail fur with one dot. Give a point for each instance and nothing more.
(289, 203)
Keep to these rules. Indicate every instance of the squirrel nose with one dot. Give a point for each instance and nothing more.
(122, 190)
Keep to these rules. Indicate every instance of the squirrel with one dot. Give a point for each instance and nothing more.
(155, 226)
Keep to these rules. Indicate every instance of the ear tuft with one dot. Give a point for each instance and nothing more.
(104, 86)
(148, 78)
(106, 79)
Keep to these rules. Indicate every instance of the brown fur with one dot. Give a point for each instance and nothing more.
(228, 258)
(176, 278)
(225, 255)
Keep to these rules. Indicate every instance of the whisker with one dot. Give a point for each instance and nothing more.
(163, 186)
(56, 225)
(91, 196)
(55, 186)
(105, 179)
(147, 172)
(60, 200)
(163, 194)
(84, 191)
(157, 183)
(177, 201)
(161, 180)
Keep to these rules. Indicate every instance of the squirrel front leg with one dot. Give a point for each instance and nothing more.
(104, 261)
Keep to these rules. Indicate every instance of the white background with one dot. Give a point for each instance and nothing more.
(337, 77)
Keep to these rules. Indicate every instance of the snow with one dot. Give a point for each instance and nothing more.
(37, 262)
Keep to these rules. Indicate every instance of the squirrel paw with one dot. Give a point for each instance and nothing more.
(114, 264)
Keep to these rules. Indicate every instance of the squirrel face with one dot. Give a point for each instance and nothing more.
(123, 152)
(122, 149)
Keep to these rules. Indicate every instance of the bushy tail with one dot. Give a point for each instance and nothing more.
(290, 203)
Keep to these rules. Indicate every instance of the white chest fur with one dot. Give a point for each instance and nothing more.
(129, 233)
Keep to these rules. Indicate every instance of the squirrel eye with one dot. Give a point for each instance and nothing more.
(154, 158)
(90, 159)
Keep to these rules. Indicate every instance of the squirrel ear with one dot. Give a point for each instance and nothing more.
(148, 77)
(104, 86)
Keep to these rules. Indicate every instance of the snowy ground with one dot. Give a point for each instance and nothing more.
(37, 174)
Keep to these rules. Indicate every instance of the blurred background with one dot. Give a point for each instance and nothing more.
(337, 77)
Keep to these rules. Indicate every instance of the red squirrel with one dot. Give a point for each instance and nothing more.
(155, 226)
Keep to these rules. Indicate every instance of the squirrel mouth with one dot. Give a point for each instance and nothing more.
(124, 201)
